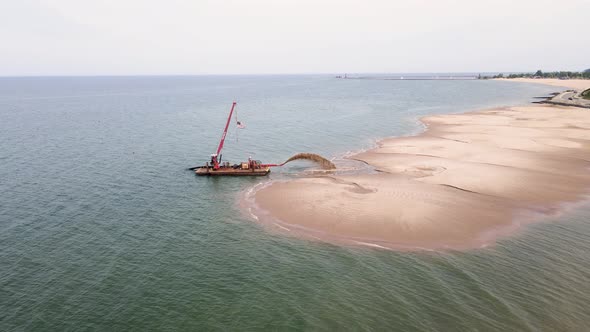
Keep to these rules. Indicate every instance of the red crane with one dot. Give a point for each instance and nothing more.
(216, 167)
(214, 157)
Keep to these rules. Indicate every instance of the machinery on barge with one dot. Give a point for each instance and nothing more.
(216, 167)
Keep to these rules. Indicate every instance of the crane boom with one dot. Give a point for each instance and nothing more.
(215, 158)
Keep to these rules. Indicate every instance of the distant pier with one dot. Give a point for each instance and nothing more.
(412, 77)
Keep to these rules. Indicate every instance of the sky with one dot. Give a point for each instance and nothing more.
(194, 37)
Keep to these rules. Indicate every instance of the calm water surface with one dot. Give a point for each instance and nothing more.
(102, 227)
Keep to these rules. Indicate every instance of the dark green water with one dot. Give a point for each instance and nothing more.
(102, 228)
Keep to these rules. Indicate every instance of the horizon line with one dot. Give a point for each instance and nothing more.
(273, 74)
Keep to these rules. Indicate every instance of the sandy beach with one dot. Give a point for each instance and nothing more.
(571, 84)
(466, 180)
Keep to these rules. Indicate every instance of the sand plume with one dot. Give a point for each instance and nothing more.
(323, 162)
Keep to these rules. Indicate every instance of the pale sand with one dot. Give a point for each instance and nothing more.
(463, 182)
(572, 84)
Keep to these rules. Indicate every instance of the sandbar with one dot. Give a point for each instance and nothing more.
(462, 183)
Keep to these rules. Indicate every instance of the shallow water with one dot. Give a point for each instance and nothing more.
(102, 227)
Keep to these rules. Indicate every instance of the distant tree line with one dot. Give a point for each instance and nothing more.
(540, 74)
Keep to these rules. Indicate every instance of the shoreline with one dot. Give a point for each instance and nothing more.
(578, 84)
(464, 181)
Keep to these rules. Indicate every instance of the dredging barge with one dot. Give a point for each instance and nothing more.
(215, 167)
(250, 168)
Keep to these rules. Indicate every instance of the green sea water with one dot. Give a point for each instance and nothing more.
(103, 228)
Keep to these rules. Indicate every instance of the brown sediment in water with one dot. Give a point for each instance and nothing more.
(466, 180)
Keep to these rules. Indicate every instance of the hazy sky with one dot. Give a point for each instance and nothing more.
(102, 37)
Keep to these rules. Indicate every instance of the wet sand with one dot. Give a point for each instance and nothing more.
(466, 180)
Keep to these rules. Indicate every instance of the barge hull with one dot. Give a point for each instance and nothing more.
(209, 171)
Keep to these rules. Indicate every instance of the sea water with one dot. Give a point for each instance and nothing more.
(103, 228)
